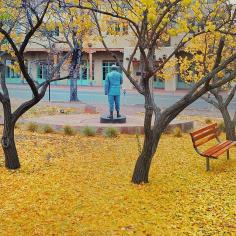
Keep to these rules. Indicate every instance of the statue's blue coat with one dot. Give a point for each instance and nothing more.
(113, 83)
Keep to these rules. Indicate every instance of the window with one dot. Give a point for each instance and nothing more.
(10, 73)
(84, 70)
(42, 71)
(56, 31)
(120, 28)
(52, 33)
(106, 68)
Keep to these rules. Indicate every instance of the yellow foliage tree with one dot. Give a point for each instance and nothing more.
(75, 27)
(149, 21)
(198, 58)
(30, 16)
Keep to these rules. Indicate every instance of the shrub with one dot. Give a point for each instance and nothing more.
(111, 132)
(88, 131)
(33, 127)
(68, 130)
(17, 125)
(177, 132)
(208, 121)
(221, 126)
(48, 129)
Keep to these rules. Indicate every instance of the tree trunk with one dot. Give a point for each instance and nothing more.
(73, 89)
(9, 146)
(142, 166)
(229, 124)
(75, 67)
(151, 140)
(230, 131)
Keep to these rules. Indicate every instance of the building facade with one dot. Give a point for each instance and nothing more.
(96, 63)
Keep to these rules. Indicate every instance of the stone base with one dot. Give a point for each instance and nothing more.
(105, 120)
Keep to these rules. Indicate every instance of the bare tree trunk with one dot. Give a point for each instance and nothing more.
(73, 78)
(8, 141)
(142, 166)
(229, 124)
(73, 89)
(151, 140)
(74, 70)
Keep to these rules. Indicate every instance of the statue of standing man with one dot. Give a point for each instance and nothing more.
(113, 84)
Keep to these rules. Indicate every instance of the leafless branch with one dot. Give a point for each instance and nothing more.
(230, 96)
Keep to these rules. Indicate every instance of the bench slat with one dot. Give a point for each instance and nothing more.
(216, 148)
(203, 129)
(205, 134)
(216, 154)
(205, 140)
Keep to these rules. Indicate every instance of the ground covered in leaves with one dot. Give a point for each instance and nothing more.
(81, 186)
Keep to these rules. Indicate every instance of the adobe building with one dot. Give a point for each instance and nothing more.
(96, 63)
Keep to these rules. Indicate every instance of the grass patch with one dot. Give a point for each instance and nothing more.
(111, 132)
(47, 129)
(88, 131)
(32, 127)
(18, 125)
(208, 121)
(68, 130)
(177, 132)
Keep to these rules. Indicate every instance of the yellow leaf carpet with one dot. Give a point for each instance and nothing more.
(81, 186)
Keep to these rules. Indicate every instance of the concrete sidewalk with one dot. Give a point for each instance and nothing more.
(99, 89)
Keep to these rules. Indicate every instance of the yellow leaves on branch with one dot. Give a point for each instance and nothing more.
(210, 27)
(147, 4)
(186, 3)
(15, 67)
(169, 71)
(182, 26)
(200, 55)
(196, 8)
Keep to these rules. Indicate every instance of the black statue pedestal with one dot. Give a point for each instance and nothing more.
(115, 120)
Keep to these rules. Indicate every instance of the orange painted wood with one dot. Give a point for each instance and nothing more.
(205, 140)
(216, 148)
(205, 134)
(218, 153)
(203, 129)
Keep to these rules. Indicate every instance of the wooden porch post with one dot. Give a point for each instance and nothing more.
(55, 61)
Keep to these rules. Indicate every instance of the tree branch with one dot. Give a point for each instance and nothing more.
(97, 10)
(210, 101)
(199, 88)
(127, 73)
(230, 96)
(33, 29)
(234, 119)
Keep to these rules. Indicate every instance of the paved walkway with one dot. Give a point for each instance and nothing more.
(96, 89)
(95, 96)
(209, 112)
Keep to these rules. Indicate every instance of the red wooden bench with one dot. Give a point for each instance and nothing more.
(207, 134)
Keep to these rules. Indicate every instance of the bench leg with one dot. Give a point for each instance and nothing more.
(228, 155)
(207, 163)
